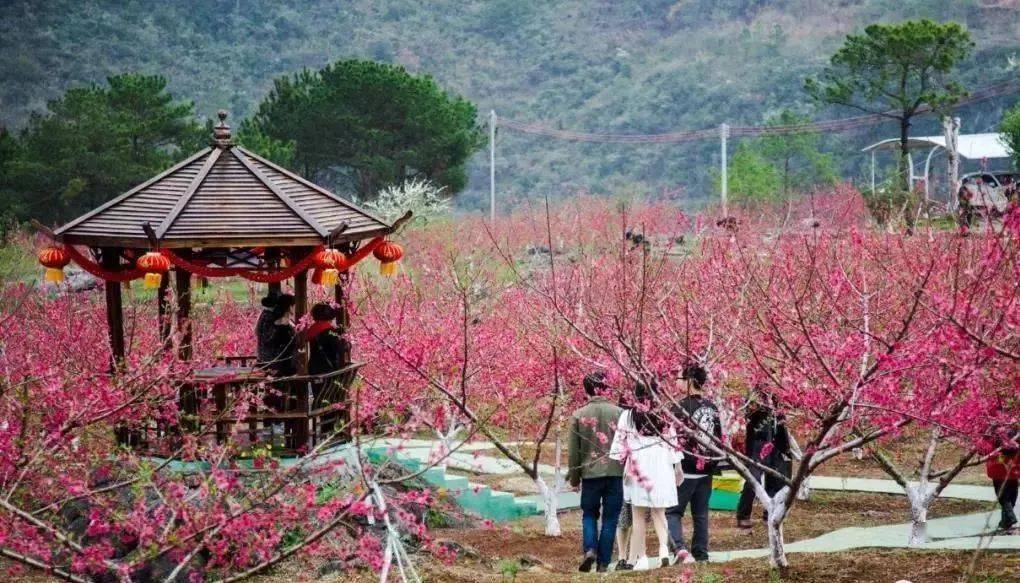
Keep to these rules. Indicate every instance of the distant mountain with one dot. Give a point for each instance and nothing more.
(625, 66)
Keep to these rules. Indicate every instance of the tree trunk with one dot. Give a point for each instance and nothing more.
(777, 549)
(904, 171)
(446, 441)
(777, 511)
(550, 504)
(920, 498)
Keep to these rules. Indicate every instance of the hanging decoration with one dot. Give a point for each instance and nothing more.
(388, 253)
(262, 276)
(329, 263)
(154, 264)
(54, 259)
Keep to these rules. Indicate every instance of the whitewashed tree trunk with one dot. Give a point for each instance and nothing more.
(920, 497)
(776, 508)
(777, 549)
(447, 441)
(550, 503)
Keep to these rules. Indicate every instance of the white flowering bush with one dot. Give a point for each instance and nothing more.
(418, 195)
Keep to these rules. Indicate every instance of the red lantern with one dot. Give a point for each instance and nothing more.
(154, 264)
(54, 259)
(388, 254)
(331, 262)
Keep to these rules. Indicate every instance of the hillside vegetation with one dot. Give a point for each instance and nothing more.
(627, 66)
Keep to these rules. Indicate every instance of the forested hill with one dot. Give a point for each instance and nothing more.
(628, 66)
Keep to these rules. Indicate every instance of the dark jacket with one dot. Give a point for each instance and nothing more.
(263, 335)
(279, 348)
(763, 426)
(705, 416)
(326, 351)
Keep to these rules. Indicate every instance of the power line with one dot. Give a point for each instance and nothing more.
(834, 125)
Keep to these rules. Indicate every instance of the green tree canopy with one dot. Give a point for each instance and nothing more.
(94, 143)
(894, 70)
(365, 125)
(797, 156)
(751, 178)
(772, 167)
(1010, 128)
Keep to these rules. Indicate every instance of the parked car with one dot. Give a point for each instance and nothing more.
(987, 193)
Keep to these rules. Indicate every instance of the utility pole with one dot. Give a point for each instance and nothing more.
(492, 165)
(724, 133)
(951, 131)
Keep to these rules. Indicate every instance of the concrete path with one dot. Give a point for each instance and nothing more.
(953, 532)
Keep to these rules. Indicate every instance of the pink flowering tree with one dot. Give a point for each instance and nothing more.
(81, 506)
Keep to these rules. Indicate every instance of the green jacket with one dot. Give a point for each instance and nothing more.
(591, 435)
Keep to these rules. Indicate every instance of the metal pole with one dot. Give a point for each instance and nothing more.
(872, 172)
(724, 133)
(492, 165)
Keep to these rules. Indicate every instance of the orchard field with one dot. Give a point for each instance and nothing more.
(892, 355)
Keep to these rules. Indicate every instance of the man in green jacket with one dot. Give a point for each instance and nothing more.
(601, 479)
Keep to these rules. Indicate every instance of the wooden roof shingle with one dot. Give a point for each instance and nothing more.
(223, 196)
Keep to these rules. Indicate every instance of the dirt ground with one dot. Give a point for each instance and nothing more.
(825, 512)
(520, 552)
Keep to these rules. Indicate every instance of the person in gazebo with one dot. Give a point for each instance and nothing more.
(277, 341)
(264, 327)
(326, 346)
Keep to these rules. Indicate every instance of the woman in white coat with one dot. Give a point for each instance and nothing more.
(651, 473)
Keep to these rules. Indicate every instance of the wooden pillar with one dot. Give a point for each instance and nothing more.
(300, 389)
(273, 259)
(163, 309)
(343, 317)
(300, 309)
(114, 308)
(182, 279)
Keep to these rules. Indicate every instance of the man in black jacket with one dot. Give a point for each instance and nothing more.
(766, 441)
(700, 415)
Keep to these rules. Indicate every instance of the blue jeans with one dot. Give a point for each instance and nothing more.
(605, 495)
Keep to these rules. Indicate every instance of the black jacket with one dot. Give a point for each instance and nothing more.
(325, 352)
(763, 426)
(705, 416)
(279, 348)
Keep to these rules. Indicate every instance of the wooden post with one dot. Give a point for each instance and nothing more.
(273, 260)
(343, 317)
(300, 309)
(183, 280)
(164, 317)
(114, 308)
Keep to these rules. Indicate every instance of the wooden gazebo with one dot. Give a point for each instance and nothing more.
(224, 211)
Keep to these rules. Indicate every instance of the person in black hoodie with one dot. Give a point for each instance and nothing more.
(699, 414)
(278, 340)
(767, 441)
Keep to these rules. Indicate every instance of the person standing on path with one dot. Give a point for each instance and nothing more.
(592, 429)
(767, 441)
(1004, 470)
(700, 415)
(647, 448)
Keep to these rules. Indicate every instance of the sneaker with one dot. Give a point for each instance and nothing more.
(624, 566)
(602, 569)
(587, 563)
(744, 523)
(682, 556)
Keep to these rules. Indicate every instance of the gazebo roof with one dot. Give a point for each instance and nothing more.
(223, 196)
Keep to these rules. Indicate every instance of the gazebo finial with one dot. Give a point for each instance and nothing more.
(221, 133)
